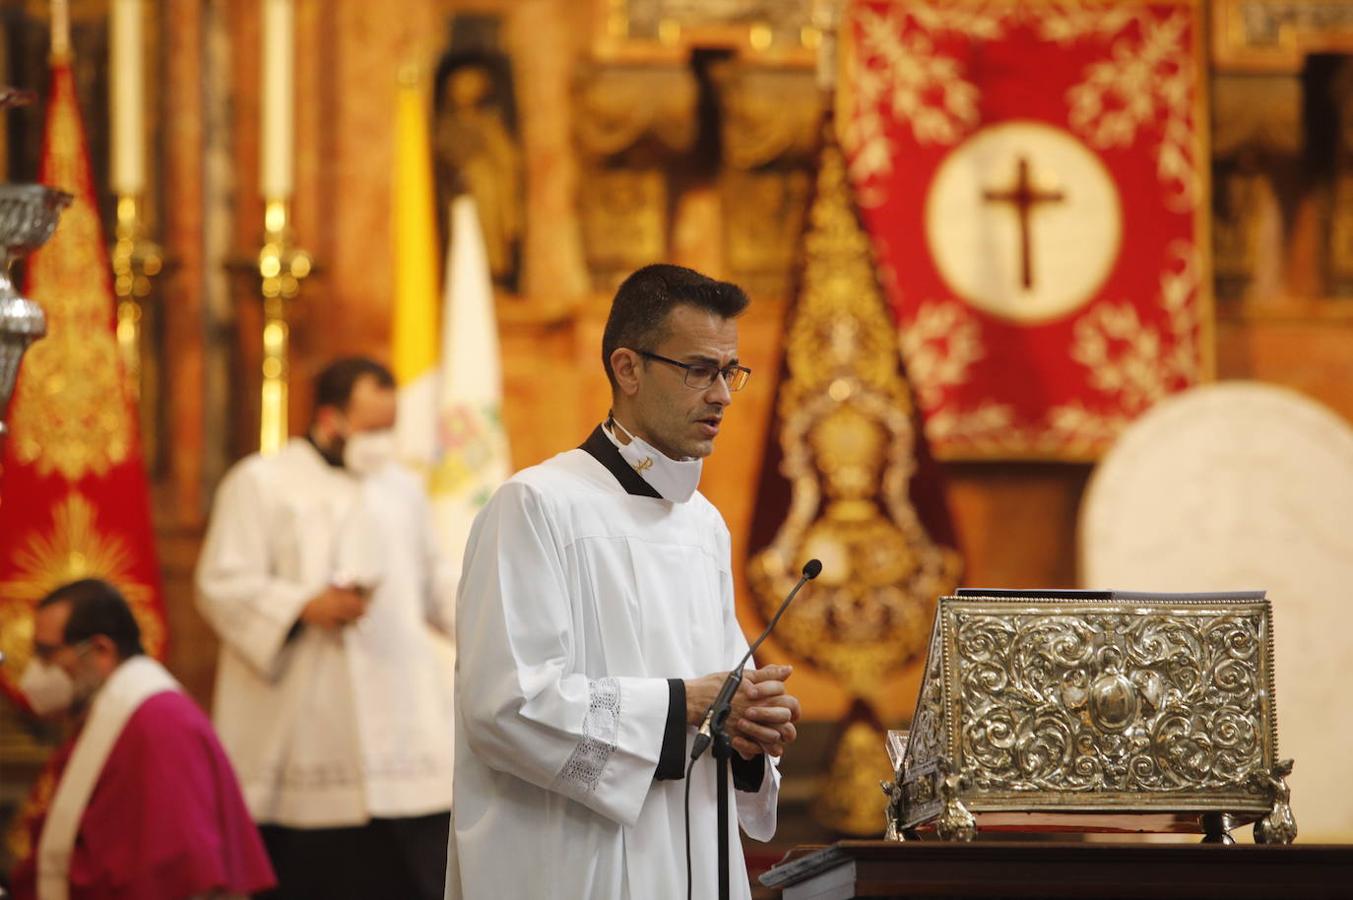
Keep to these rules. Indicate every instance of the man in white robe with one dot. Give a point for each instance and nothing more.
(320, 574)
(595, 624)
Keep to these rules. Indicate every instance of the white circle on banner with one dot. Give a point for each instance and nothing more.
(1024, 221)
(1247, 486)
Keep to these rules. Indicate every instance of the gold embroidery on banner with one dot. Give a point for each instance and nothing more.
(1144, 79)
(1063, 21)
(1133, 364)
(988, 427)
(1129, 364)
(849, 455)
(74, 548)
(900, 78)
(940, 347)
(71, 414)
(1071, 20)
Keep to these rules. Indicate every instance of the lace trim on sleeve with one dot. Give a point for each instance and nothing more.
(600, 727)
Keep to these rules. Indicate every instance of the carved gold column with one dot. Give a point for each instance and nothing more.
(282, 267)
(631, 121)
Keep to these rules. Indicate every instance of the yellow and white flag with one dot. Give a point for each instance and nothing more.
(471, 439)
(450, 395)
(414, 229)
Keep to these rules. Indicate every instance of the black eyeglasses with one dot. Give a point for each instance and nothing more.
(701, 375)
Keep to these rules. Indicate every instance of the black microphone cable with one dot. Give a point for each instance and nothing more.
(811, 570)
(686, 810)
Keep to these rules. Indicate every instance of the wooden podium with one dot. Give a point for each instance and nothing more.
(1000, 869)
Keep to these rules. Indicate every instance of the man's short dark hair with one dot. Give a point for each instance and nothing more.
(638, 318)
(96, 607)
(334, 384)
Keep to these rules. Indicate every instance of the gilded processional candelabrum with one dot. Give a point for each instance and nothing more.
(136, 260)
(28, 216)
(282, 266)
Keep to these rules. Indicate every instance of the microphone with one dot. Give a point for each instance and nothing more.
(719, 709)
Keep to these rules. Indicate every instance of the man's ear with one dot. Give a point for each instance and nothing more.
(102, 643)
(327, 421)
(625, 365)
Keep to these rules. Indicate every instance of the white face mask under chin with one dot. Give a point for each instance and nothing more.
(367, 452)
(47, 687)
(674, 479)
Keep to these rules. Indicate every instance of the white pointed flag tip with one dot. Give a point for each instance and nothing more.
(474, 457)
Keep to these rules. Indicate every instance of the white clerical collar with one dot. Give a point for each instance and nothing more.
(675, 479)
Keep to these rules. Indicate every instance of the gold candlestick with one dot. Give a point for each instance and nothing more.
(282, 267)
(136, 260)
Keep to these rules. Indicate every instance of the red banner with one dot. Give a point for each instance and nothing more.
(74, 500)
(1033, 178)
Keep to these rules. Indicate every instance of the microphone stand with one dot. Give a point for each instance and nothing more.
(712, 730)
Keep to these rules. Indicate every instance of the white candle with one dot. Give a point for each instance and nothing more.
(127, 98)
(278, 87)
(60, 31)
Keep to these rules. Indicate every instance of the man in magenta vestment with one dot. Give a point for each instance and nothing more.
(146, 804)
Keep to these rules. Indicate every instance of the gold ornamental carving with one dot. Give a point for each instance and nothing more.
(630, 122)
(1277, 35)
(624, 221)
(772, 28)
(849, 452)
(616, 107)
(763, 215)
(770, 120)
(768, 114)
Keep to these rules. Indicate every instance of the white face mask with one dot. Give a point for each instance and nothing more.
(367, 452)
(47, 687)
(674, 479)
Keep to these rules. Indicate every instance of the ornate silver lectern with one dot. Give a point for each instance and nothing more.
(1081, 710)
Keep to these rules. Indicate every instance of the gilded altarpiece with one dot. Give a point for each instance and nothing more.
(662, 78)
(768, 134)
(631, 123)
(1283, 152)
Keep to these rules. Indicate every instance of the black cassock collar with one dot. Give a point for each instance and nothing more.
(604, 452)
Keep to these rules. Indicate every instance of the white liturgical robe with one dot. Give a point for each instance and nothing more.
(577, 602)
(330, 728)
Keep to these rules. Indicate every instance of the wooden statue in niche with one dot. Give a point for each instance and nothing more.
(1319, 246)
(1283, 183)
(476, 144)
(1257, 147)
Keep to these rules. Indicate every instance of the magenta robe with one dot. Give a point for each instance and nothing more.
(166, 819)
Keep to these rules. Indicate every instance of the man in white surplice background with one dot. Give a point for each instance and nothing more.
(595, 624)
(321, 575)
